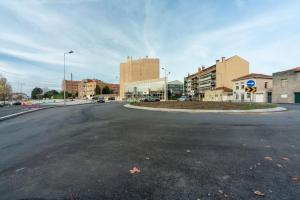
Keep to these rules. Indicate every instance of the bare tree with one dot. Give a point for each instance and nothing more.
(5, 89)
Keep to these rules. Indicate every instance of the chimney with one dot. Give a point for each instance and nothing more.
(217, 61)
(223, 59)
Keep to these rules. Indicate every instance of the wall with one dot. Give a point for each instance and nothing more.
(230, 69)
(138, 70)
(293, 85)
(217, 95)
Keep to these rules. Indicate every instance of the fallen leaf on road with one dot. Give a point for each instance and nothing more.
(268, 146)
(295, 178)
(147, 158)
(285, 158)
(268, 158)
(135, 170)
(279, 165)
(226, 195)
(188, 151)
(259, 193)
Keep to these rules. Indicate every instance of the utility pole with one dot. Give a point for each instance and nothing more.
(166, 84)
(65, 74)
(72, 85)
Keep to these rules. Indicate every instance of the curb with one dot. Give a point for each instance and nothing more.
(22, 113)
(277, 109)
(36, 109)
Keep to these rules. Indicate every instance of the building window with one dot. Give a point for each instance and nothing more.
(266, 84)
(237, 97)
(242, 86)
(284, 83)
(237, 87)
(248, 95)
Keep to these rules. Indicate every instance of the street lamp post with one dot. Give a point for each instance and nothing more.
(65, 85)
(166, 92)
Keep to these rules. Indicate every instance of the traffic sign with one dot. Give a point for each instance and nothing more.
(250, 89)
(250, 83)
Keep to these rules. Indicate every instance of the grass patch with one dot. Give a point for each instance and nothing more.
(205, 105)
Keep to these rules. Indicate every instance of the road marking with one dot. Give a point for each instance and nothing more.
(20, 169)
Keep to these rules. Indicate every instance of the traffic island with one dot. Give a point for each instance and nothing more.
(198, 106)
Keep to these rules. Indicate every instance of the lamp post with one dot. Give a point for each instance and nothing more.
(166, 92)
(65, 85)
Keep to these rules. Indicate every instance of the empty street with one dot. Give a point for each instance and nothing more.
(87, 152)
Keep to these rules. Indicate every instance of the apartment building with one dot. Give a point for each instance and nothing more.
(138, 70)
(86, 87)
(70, 86)
(263, 84)
(218, 76)
(286, 86)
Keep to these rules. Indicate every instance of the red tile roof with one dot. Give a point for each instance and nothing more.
(297, 69)
(253, 75)
(225, 89)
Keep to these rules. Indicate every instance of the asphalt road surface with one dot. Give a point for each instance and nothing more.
(86, 152)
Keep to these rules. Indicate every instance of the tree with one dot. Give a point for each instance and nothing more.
(36, 93)
(5, 89)
(97, 90)
(50, 94)
(106, 90)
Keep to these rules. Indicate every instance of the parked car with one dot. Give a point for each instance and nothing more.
(17, 103)
(101, 100)
(111, 98)
(184, 98)
(150, 99)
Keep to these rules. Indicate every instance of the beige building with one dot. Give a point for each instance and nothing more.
(219, 75)
(263, 84)
(86, 87)
(219, 94)
(71, 87)
(137, 70)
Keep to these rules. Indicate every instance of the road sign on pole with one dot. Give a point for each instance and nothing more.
(250, 89)
(250, 83)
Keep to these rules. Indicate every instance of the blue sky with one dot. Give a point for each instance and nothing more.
(183, 34)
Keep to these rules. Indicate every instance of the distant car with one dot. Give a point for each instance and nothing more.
(150, 99)
(184, 98)
(101, 100)
(111, 98)
(17, 103)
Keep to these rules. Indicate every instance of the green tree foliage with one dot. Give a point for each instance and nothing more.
(36, 93)
(97, 90)
(106, 90)
(51, 94)
(5, 89)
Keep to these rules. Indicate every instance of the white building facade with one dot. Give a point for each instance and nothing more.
(263, 84)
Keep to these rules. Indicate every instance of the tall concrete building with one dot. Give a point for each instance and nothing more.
(217, 76)
(286, 86)
(137, 70)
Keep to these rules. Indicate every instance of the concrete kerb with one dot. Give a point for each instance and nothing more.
(36, 109)
(277, 109)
